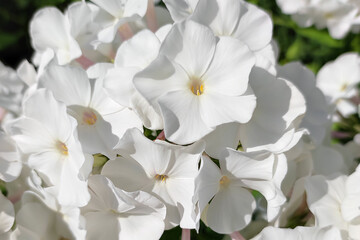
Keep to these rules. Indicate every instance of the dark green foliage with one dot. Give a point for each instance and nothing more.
(173, 234)
(150, 134)
(205, 233)
(15, 16)
(311, 46)
(3, 188)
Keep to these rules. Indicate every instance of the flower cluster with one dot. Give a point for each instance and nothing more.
(133, 119)
(339, 16)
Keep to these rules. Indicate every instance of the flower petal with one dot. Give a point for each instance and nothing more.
(183, 123)
(229, 71)
(191, 45)
(230, 210)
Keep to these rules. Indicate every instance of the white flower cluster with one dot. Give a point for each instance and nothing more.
(76, 163)
(339, 16)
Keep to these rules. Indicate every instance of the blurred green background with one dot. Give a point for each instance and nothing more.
(15, 16)
(310, 46)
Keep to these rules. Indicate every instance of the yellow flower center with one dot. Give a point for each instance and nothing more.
(224, 181)
(196, 86)
(161, 178)
(343, 87)
(329, 15)
(114, 212)
(62, 148)
(89, 117)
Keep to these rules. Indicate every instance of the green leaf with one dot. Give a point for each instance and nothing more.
(174, 234)
(3, 188)
(7, 39)
(99, 160)
(42, 3)
(355, 43)
(22, 4)
(284, 21)
(295, 50)
(314, 67)
(319, 36)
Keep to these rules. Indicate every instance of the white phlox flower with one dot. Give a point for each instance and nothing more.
(335, 203)
(308, 233)
(352, 150)
(50, 146)
(309, 155)
(338, 80)
(84, 29)
(25, 182)
(27, 73)
(157, 20)
(11, 90)
(180, 9)
(17, 86)
(232, 204)
(337, 15)
(162, 21)
(135, 117)
(306, 159)
(198, 82)
(7, 215)
(101, 121)
(351, 206)
(53, 221)
(65, 36)
(328, 161)
(274, 125)
(115, 214)
(296, 200)
(277, 115)
(291, 7)
(132, 57)
(10, 161)
(323, 159)
(51, 29)
(317, 110)
(243, 21)
(116, 13)
(166, 171)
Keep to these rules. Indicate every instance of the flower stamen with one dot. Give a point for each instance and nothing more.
(89, 117)
(196, 86)
(224, 181)
(62, 148)
(343, 87)
(161, 178)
